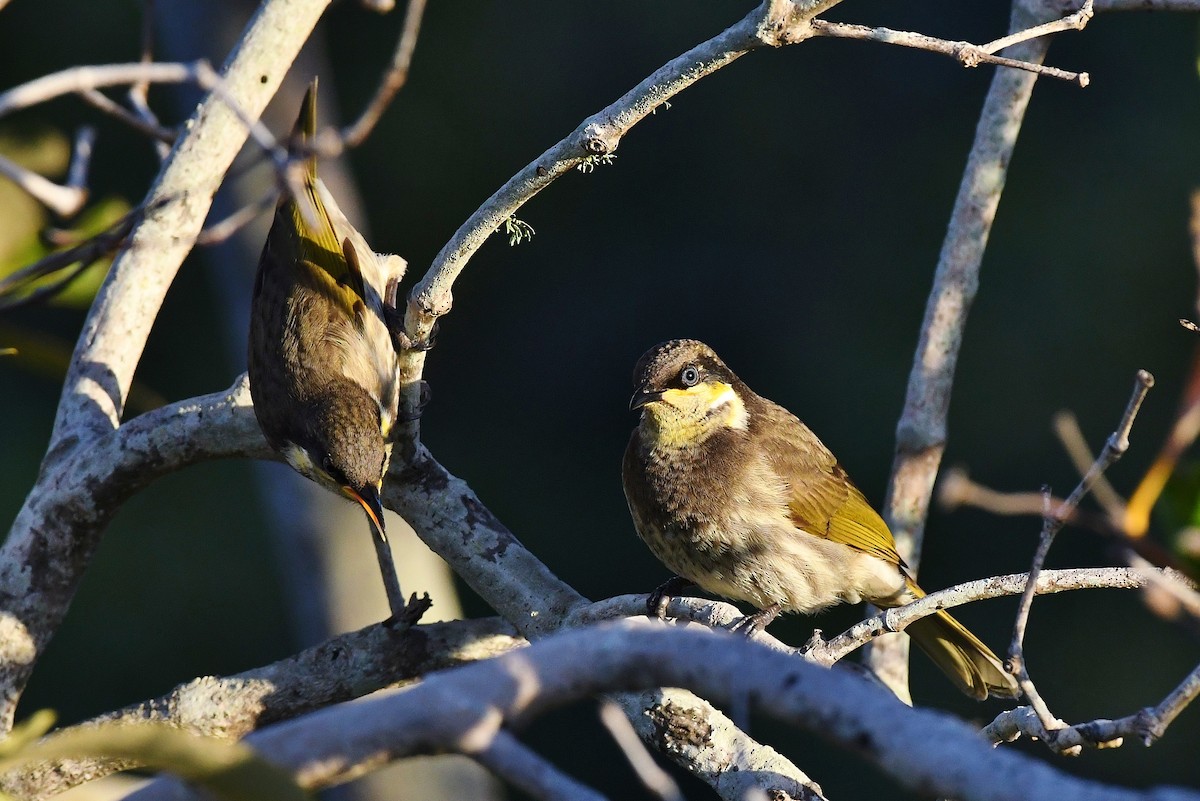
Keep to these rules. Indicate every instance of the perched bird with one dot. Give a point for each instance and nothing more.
(737, 496)
(324, 372)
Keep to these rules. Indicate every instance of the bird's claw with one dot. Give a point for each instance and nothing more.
(754, 623)
(656, 603)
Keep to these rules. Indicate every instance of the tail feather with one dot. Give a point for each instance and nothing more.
(959, 654)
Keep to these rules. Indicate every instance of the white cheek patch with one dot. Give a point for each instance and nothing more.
(736, 415)
(299, 459)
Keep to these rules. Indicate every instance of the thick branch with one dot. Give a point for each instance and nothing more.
(928, 752)
(340, 669)
(921, 432)
(452, 521)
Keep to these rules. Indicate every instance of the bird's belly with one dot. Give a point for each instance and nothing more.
(775, 564)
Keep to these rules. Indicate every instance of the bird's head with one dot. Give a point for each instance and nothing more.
(686, 393)
(344, 451)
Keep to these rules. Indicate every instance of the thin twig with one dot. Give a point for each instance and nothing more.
(958, 489)
(1072, 22)
(102, 102)
(392, 81)
(62, 200)
(1146, 726)
(652, 777)
(1176, 586)
(597, 135)
(138, 92)
(512, 761)
(76, 259)
(221, 230)
(827, 652)
(80, 79)
(1114, 448)
(81, 160)
(1066, 426)
(967, 54)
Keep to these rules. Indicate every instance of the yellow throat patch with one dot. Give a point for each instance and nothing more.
(689, 416)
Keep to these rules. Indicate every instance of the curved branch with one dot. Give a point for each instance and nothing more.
(928, 752)
(340, 669)
(898, 619)
(774, 23)
(921, 431)
(455, 524)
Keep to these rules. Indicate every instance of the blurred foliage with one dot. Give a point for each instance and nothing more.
(228, 770)
(22, 243)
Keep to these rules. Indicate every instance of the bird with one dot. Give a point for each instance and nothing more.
(323, 349)
(734, 494)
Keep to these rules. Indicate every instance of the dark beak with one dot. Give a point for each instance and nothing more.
(642, 397)
(368, 498)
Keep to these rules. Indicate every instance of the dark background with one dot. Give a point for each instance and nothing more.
(787, 210)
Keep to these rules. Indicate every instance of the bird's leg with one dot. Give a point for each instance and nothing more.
(656, 603)
(752, 624)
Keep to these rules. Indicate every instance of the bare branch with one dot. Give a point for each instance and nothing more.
(926, 751)
(138, 92)
(967, 54)
(78, 80)
(1146, 726)
(774, 23)
(393, 80)
(1114, 448)
(74, 259)
(345, 667)
(652, 777)
(1066, 426)
(62, 200)
(102, 102)
(221, 230)
(921, 431)
(1076, 21)
(898, 619)
(505, 756)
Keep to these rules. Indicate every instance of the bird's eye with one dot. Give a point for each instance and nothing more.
(690, 376)
(330, 469)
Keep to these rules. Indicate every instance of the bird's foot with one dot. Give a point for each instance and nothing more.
(752, 624)
(656, 603)
(402, 341)
(408, 615)
(406, 416)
